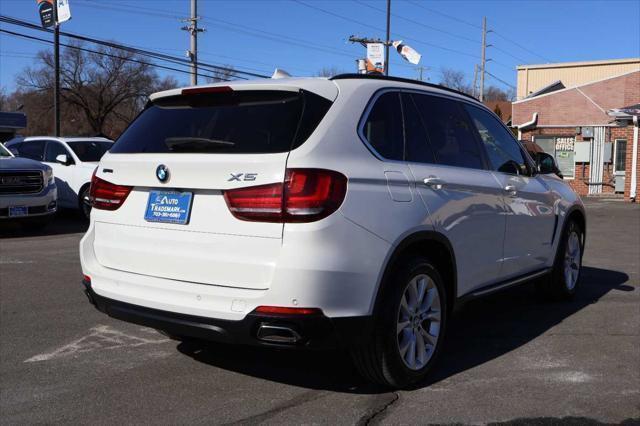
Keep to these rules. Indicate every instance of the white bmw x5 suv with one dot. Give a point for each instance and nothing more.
(310, 213)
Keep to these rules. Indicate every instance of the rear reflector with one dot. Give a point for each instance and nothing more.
(306, 195)
(283, 310)
(200, 90)
(86, 279)
(105, 195)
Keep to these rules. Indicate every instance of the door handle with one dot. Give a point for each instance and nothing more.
(433, 182)
(511, 190)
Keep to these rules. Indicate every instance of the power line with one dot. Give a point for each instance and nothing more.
(521, 46)
(70, 46)
(155, 55)
(239, 28)
(234, 27)
(454, 18)
(500, 80)
(418, 23)
(328, 12)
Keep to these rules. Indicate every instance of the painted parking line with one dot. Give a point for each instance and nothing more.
(101, 337)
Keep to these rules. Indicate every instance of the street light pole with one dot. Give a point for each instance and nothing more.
(388, 41)
(56, 61)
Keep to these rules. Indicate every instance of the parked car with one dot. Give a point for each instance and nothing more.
(546, 163)
(27, 190)
(306, 213)
(73, 161)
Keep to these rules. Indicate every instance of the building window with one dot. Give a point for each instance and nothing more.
(619, 163)
(563, 149)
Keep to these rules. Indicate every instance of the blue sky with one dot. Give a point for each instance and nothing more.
(303, 36)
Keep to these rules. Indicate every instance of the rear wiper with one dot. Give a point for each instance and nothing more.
(186, 142)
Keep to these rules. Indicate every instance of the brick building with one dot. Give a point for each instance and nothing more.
(589, 127)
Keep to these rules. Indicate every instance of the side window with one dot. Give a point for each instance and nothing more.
(450, 132)
(53, 150)
(383, 128)
(418, 149)
(502, 149)
(32, 149)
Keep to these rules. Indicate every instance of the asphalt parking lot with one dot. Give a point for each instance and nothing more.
(508, 358)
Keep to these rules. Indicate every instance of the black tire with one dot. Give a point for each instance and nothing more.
(85, 209)
(379, 360)
(557, 286)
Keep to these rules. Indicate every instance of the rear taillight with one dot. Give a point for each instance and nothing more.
(306, 195)
(105, 195)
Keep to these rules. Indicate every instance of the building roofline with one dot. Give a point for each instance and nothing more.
(576, 87)
(579, 64)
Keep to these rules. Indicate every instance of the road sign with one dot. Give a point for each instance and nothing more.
(375, 57)
(47, 15)
(64, 12)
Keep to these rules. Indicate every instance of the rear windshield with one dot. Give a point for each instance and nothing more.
(88, 151)
(235, 122)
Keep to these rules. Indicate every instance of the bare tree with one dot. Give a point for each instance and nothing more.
(225, 73)
(107, 87)
(455, 80)
(329, 71)
(493, 93)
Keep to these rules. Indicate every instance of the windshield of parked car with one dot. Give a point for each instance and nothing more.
(4, 152)
(90, 151)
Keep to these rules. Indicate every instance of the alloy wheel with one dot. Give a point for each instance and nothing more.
(572, 259)
(418, 324)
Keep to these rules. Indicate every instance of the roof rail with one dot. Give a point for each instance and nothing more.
(398, 79)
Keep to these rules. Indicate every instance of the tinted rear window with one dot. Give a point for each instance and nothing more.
(240, 122)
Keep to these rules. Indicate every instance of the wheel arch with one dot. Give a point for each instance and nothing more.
(433, 245)
(578, 214)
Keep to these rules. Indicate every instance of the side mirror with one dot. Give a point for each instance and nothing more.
(62, 159)
(547, 164)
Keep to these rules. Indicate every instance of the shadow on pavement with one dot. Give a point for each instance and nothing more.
(63, 222)
(481, 331)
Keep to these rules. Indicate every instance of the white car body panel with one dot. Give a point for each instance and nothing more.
(220, 267)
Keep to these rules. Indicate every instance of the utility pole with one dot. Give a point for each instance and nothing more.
(56, 61)
(475, 80)
(483, 59)
(388, 42)
(193, 30)
(421, 70)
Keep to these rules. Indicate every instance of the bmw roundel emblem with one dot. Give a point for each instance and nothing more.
(162, 173)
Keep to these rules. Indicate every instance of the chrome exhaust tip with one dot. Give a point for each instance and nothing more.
(277, 334)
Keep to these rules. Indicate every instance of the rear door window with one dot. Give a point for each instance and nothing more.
(418, 149)
(233, 122)
(450, 132)
(383, 127)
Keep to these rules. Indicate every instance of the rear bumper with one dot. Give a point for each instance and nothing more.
(312, 331)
